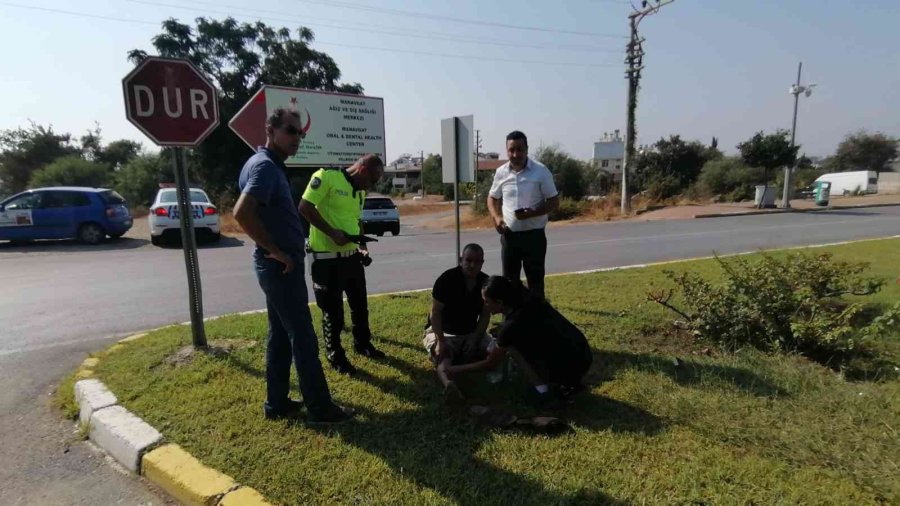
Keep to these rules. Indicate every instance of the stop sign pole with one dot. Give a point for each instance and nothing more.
(176, 106)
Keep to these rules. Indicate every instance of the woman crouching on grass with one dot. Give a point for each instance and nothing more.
(551, 352)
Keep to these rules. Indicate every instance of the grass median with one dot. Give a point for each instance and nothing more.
(667, 419)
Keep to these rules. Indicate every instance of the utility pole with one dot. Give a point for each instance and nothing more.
(634, 58)
(422, 173)
(795, 90)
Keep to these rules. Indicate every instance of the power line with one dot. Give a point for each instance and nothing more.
(422, 15)
(80, 14)
(357, 27)
(424, 53)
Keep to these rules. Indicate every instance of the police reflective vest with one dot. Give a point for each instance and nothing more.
(332, 192)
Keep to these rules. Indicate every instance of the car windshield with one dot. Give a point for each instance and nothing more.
(170, 197)
(378, 204)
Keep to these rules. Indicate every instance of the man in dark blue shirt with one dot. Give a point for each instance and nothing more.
(266, 212)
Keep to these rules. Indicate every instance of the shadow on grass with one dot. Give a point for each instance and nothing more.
(607, 365)
(437, 447)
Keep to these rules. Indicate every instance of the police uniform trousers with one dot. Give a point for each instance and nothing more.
(332, 277)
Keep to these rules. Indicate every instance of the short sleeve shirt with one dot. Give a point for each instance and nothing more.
(263, 177)
(340, 205)
(462, 306)
(523, 189)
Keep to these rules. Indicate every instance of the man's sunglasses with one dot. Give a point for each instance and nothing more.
(292, 130)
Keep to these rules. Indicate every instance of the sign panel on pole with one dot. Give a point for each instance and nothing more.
(340, 128)
(171, 102)
(458, 148)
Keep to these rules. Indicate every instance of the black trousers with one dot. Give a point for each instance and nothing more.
(332, 278)
(526, 250)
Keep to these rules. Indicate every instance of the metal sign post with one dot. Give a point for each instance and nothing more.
(189, 246)
(457, 147)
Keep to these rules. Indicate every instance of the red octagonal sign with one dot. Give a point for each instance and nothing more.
(171, 102)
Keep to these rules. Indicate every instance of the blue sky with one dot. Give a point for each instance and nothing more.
(713, 67)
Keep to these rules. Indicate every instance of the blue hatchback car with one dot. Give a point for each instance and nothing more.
(86, 214)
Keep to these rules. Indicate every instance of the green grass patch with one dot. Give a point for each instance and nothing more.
(708, 427)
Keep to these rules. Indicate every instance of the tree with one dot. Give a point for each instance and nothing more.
(71, 171)
(138, 180)
(432, 175)
(240, 58)
(114, 155)
(768, 151)
(865, 151)
(729, 177)
(25, 150)
(671, 166)
(568, 173)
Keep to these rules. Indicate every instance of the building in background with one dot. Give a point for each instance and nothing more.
(405, 172)
(609, 154)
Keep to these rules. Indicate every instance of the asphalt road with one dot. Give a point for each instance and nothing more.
(61, 301)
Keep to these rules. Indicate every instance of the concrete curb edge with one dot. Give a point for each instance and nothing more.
(792, 210)
(143, 450)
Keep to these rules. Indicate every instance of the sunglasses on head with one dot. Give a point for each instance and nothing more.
(292, 130)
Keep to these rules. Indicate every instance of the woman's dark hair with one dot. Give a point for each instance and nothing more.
(501, 288)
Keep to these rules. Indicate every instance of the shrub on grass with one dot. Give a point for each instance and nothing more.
(790, 304)
(568, 209)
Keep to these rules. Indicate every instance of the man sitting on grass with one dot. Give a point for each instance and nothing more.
(552, 354)
(457, 325)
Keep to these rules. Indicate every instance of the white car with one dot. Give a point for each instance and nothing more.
(166, 225)
(380, 215)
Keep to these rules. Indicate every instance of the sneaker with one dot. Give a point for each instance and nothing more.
(334, 414)
(343, 366)
(291, 409)
(369, 351)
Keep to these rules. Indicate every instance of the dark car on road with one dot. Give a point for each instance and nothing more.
(86, 214)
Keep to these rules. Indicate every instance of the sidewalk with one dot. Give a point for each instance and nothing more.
(747, 208)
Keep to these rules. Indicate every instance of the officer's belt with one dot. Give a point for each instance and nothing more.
(331, 254)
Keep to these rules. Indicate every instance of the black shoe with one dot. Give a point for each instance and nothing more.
(291, 409)
(334, 414)
(343, 366)
(369, 351)
(547, 400)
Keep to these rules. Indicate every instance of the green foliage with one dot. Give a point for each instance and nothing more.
(240, 58)
(885, 324)
(568, 173)
(71, 171)
(483, 181)
(729, 177)
(865, 151)
(670, 166)
(770, 151)
(432, 176)
(25, 150)
(568, 208)
(138, 181)
(789, 305)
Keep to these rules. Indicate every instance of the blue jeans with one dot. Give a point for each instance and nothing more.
(291, 337)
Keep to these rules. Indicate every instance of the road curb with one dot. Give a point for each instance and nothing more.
(141, 448)
(782, 211)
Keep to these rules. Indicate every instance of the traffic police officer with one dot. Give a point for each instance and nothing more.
(332, 204)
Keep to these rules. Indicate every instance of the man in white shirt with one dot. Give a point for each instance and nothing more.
(528, 195)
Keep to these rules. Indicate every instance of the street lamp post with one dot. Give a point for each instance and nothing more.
(795, 90)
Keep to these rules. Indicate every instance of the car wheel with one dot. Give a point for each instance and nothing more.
(215, 237)
(380, 233)
(156, 240)
(91, 233)
(395, 231)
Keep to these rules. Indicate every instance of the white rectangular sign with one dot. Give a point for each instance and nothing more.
(458, 148)
(339, 128)
(16, 218)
